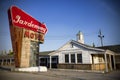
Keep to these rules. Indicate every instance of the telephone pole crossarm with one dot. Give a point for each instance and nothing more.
(101, 37)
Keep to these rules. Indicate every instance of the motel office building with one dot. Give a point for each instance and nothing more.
(74, 55)
(79, 56)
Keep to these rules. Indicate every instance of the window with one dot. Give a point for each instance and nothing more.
(5, 60)
(72, 58)
(8, 60)
(79, 58)
(13, 60)
(100, 59)
(54, 59)
(66, 58)
(42, 60)
(0, 60)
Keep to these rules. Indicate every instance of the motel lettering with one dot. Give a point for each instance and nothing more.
(33, 35)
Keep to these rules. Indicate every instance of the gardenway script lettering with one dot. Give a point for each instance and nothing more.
(29, 24)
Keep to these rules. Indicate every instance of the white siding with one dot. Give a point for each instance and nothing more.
(61, 58)
(86, 57)
(66, 47)
(73, 49)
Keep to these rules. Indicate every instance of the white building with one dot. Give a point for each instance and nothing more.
(77, 55)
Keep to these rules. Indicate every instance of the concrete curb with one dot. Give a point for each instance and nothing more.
(79, 70)
(30, 69)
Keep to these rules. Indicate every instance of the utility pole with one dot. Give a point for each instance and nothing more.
(38, 50)
(101, 36)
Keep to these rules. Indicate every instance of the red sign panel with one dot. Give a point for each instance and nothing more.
(23, 20)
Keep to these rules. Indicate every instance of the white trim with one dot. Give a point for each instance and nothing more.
(114, 62)
(106, 66)
(69, 58)
(76, 58)
(110, 62)
(50, 62)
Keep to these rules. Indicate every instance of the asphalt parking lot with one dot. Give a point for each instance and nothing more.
(80, 75)
(59, 75)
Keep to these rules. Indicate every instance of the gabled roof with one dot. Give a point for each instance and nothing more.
(83, 45)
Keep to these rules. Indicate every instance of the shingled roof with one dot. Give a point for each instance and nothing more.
(115, 48)
(44, 53)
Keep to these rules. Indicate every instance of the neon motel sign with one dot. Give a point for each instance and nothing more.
(24, 29)
(21, 19)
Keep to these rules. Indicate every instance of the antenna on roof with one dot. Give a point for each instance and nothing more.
(101, 37)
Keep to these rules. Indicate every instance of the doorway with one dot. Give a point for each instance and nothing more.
(112, 62)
